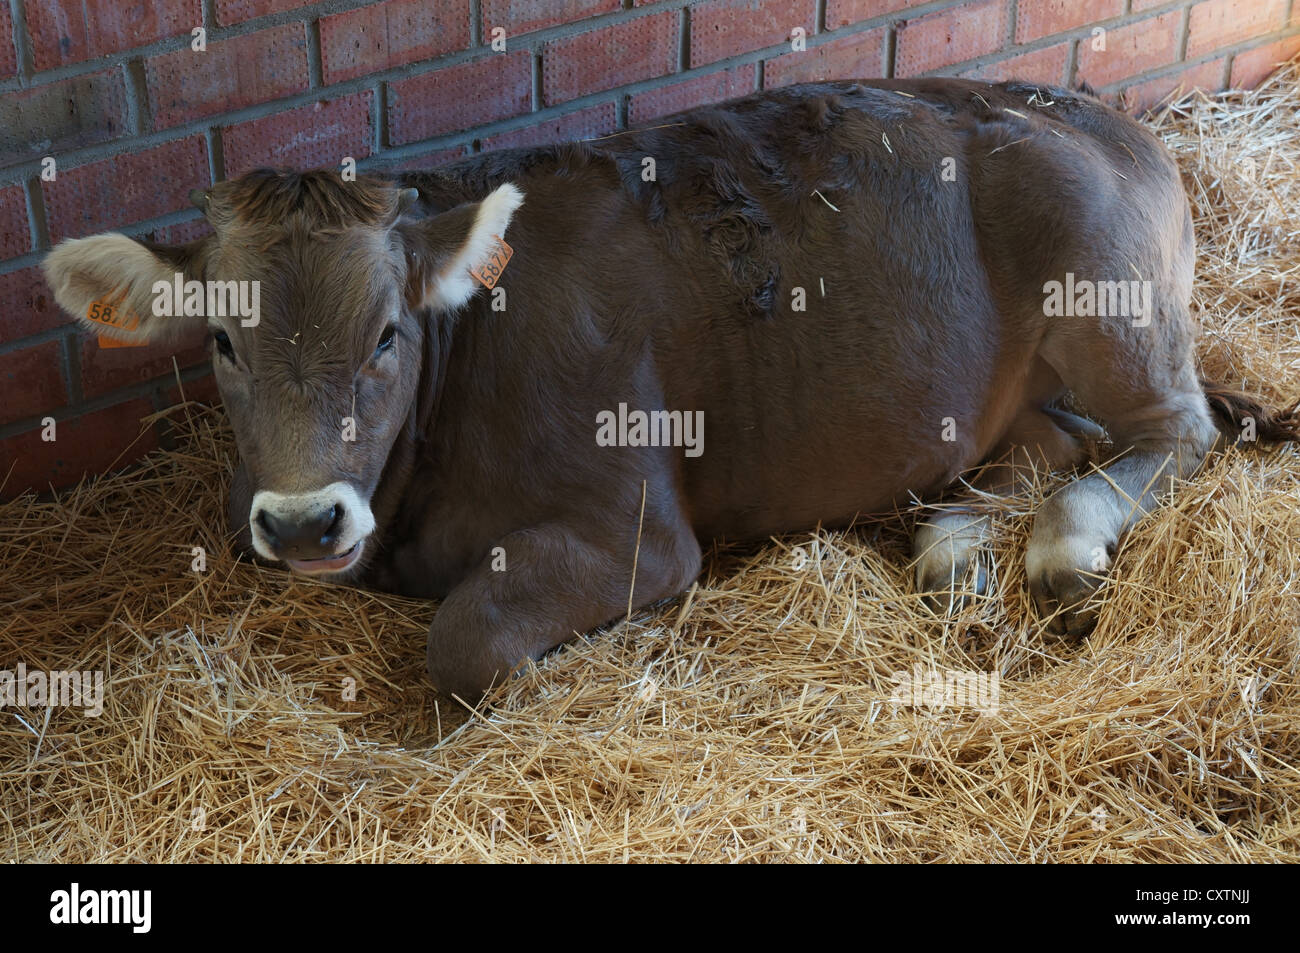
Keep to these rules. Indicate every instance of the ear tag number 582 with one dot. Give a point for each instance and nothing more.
(107, 313)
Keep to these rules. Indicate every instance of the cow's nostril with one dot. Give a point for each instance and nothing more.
(333, 521)
(307, 536)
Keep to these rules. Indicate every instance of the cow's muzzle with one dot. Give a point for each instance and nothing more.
(323, 531)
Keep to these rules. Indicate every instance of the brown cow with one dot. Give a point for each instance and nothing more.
(864, 289)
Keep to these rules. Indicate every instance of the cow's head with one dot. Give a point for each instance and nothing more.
(320, 381)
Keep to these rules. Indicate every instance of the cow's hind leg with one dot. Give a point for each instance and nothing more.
(1139, 380)
(947, 543)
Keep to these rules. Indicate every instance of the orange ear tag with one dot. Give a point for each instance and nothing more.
(489, 272)
(105, 312)
(107, 343)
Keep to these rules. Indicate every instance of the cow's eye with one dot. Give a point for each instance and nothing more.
(224, 346)
(386, 339)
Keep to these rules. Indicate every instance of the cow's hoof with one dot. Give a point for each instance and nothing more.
(946, 600)
(1064, 573)
(951, 566)
(1061, 599)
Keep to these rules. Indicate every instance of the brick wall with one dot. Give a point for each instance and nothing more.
(132, 117)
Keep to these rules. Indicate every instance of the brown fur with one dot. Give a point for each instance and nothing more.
(268, 198)
(476, 438)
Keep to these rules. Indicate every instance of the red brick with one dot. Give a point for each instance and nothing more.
(92, 443)
(460, 97)
(843, 12)
(313, 136)
(1219, 23)
(710, 88)
(237, 11)
(380, 37)
(54, 117)
(1039, 66)
(27, 304)
(859, 56)
(69, 31)
(107, 368)
(1252, 67)
(1130, 50)
(15, 238)
(32, 381)
(8, 54)
(127, 188)
(1039, 18)
(229, 75)
(610, 56)
(950, 36)
(722, 28)
(524, 16)
(1143, 96)
(583, 124)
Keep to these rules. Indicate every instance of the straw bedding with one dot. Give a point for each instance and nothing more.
(749, 720)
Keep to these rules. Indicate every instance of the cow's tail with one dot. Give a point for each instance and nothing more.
(1236, 413)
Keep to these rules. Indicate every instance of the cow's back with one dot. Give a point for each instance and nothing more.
(833, 274)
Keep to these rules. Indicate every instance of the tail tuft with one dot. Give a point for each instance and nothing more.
(1232, 408)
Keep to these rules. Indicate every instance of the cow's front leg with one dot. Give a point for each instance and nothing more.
(542, 586)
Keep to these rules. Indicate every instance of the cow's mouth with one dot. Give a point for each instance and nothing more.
(328, 563)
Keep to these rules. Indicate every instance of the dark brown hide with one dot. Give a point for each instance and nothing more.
(917, 222)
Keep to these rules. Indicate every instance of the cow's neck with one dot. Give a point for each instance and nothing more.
(421, 419)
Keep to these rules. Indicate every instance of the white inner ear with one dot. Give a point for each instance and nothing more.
(82, 271)
(455, 285)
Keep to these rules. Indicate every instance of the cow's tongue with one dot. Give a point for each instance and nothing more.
(326, 564)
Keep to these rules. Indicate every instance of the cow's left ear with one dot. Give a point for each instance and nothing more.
(107, 282)
(444, 251)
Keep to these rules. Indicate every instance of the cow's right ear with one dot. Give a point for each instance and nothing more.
(108, 283)
(444, 251)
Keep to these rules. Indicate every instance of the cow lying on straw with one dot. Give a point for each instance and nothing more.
(757, 317)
